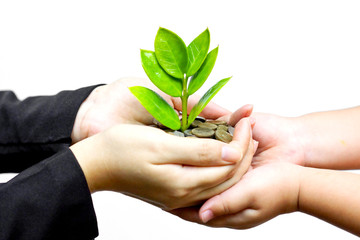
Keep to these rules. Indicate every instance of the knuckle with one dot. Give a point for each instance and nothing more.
(180, 193)
(224, 208)
(179, 189)
(205, 153)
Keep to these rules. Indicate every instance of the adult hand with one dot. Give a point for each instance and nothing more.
(113, 104)
(143, 161)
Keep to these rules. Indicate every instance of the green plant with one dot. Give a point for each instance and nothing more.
(178, 71)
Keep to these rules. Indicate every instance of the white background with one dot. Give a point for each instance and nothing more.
(286, 57)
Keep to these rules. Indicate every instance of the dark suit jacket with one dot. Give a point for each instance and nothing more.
(49, 198)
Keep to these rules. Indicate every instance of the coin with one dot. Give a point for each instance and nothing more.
(158, 124)
(179, 134)
(231, 130)
(203, 132)
(216, 122)
(191, 136)
(195, 123)
(222, 127)
(175, 133)
(188, 133)
(223, 136)
(207, 125)
(201, 119)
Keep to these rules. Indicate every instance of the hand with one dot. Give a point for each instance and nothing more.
(263, 193)
(279, 143)
(143, 161)
(279, 138)
(113, 104)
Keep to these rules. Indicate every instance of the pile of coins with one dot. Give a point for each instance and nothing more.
(203, 128)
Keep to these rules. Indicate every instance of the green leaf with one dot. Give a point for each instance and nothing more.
(166, 83)
(206, 99)
(200, 77)
(171, 53)
(197, 51)
(157, 107)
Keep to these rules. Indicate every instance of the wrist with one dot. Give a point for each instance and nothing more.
(81, 128)
(86, 153)
(293, 183)
(303, 135)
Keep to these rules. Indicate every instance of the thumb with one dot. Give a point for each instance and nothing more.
(241, 140)
(243, 112)
(199, 152)
(229, 202)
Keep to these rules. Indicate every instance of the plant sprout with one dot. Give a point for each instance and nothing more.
(179, 71)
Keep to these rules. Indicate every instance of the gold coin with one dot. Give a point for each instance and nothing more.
(223, 136)
(203, 132)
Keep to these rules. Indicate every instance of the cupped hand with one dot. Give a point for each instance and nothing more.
(263, 193)
(113, 104)
(279, 137)
(259, 195)
(165, 170)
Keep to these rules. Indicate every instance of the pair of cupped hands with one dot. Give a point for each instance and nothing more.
(201, 180)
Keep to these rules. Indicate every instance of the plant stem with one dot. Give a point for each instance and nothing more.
(184, 99)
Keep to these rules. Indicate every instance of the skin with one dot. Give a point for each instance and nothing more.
(113, 104)
(118, 152)
(286, 176)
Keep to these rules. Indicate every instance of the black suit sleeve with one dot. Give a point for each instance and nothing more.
(49, 198)
(37, 127)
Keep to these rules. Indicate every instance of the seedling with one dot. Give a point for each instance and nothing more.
(178, 71)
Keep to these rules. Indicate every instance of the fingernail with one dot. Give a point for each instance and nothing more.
(230, 154)
(206, 216)
(256, 145)
(252, 121)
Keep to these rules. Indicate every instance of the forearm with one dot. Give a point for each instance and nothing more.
(332, 139)
(37, 127)
(332, 196)
(49, 200)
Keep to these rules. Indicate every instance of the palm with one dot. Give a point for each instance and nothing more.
(114, 104)
(278, 141)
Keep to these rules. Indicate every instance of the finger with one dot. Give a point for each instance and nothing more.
(211, 111)
(190, 214)
(206, 182)
(241, 139)
(241, 167)
(229, 202)
(244, 219)
(256, 145)
(243, 112)
(214, 111)
(198, 152)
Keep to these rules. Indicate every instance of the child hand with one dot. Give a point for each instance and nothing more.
(263, 193)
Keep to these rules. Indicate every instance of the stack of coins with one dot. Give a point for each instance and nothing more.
(203, 128)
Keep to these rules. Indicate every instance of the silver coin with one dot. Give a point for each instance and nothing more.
(201, 119)
(231, 130)
(175, 133)
(188, 133)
